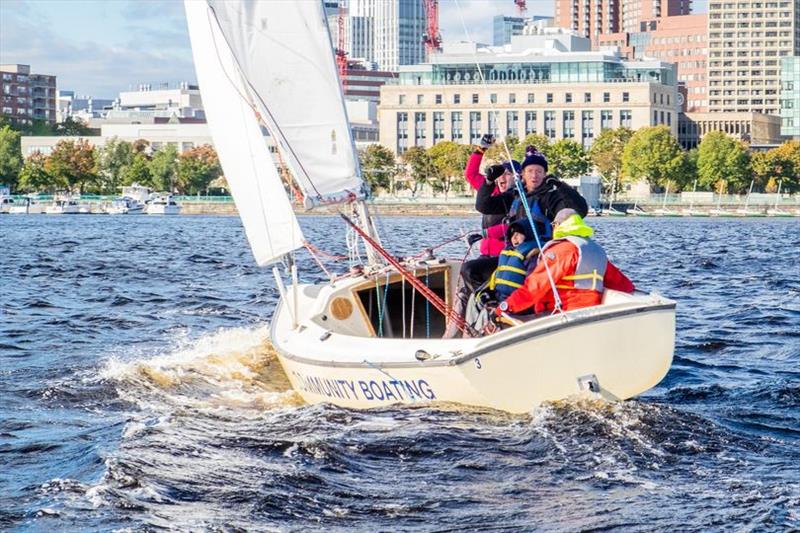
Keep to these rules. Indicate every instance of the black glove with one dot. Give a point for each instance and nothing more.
(473, 238)
(494, 172)
(487, 140)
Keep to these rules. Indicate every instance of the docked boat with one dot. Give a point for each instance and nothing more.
(746, 211)
(62, 205)
(372, 337)
(132, 201)
(777, 211)
(691, 211)
(162, 204)
(27, 205)
(663, 211)
(6, 203)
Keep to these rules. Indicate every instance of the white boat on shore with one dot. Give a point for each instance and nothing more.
(132, 201)
(62, 205)
(373, 337)
(26, 206)
(162, 204)
(777, 211)
(746, 211)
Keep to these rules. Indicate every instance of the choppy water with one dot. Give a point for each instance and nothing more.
(138, 391)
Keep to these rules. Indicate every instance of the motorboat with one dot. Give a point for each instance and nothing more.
(6, 203)
(162, 204)
(26, 206)
(62, 205)
(371, 337)
(124, 206)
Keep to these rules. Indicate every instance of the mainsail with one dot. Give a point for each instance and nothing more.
(283, 50)
(265, 210)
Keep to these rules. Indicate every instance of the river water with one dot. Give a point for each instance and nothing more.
(138, 391)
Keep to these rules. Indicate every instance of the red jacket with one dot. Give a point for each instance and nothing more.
(537, 293)
(494, 240)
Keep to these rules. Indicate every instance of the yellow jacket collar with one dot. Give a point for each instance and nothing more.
(573, 226)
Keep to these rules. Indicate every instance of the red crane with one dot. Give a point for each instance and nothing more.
(521, 6)
(431, 37)
(341, 53)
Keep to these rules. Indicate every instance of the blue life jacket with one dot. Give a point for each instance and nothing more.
(512, 268)
(543, 226)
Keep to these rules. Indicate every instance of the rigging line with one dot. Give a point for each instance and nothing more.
(382, 371)
(517, 177)
(249, 145)
(282, 136)
(311, 251)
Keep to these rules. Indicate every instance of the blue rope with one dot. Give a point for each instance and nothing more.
(524, 200)
(427, 305)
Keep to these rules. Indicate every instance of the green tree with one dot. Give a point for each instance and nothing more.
(10, 156)
(786, 165)
(73, 127)
(378, 166)
(164, 168)
(653, 153)
(449, 159)
(497, 152)
(138, 172)
(73, 163)
(537, 140)
(34, 176)
(113, 159)
(723, 159)
(567, 159)
(197, 168)
(606, 154)
(420, 167)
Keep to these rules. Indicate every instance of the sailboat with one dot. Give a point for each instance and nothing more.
(746, 212)
(718, 211)
(611, 211)
(777, 211)
(372, 337)
(691, 211)
(663, 211)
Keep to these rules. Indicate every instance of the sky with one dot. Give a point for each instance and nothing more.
(101, 47)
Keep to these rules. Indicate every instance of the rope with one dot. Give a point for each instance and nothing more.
(403, 292)
(430, 249)
(311, 251)
(413, 297)
(427, 305)
(382, 309)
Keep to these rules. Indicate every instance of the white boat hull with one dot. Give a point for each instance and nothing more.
(62, 210)
(626, 347)
(163, 209)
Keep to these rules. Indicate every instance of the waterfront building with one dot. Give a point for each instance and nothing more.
(757, 129)
(26, 96)
(746, 42)
(681, 40)
(790, 97)
(551, 84)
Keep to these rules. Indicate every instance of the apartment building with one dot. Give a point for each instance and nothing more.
(551, 84)
(746, 41)
(26, 96)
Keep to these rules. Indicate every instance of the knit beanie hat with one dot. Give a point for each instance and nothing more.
(513, 166)
(534, 157)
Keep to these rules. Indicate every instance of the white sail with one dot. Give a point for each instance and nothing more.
(283, 49)
(265, 210)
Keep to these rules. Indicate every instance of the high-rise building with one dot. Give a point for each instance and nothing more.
(504, 27)
(679, 39)
(790, 97)
(26, 96)
(399, 26)
(633, 12)
(746, 41)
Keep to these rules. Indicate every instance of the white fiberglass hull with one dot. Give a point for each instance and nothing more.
(163, 209)
(626, 347)
(62, 210)
(119, 210)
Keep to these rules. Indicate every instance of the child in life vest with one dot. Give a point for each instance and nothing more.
(514, 260)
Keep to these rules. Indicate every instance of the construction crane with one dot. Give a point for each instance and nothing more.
(521, 6)
(341, 53)
(431, 37)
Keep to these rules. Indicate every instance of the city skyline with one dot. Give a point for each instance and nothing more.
(140, 42)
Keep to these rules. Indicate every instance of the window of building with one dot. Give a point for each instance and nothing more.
(531, 98)
(493, 98)
(512, 98)
(655, 118)
(475, 98)
(550, 124)
(420, 120)
(568, 120)
(457, 126)
(549, 98)
(402, 132)
(475, 127)
(420, 99)
(494, 123)
(401, 99)
(669, 119)
(606, 97)
(606, 119)
(587, 97)
(438, 126)
(512, 123)
(530, 122)
(625, 118)
(626, 97)
(587, 128)
(456, 98)
(662, 121)
(568, 98)
(438, 99)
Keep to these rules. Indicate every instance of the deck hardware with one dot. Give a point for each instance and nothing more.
(422, 355)
(589, 382)
(325, 336)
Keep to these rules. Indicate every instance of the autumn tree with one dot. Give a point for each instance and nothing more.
(34, 176)
(10, 156)
(449, 159)
(378, 167)
(722, 161)
(537, 140)
(73, 163)
(606, 154)
(786, 165)
(501, 148)
(197, 168)
(164, 168)
(654, 154)
(420, 167)
(567, 159)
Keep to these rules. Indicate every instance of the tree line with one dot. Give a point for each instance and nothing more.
(78, 166)
(621, 156)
